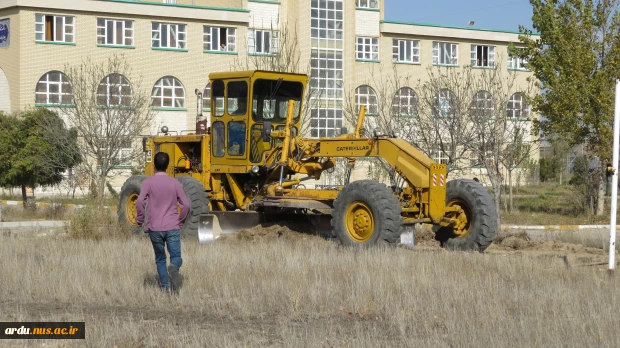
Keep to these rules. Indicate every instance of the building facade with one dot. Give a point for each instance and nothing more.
(174, 45)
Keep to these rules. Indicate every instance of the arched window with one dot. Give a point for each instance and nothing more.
(168, 92)
(365, 95)
(405, 102)
(114, 90)
(54, 88)
(444, 103)
(206, 97)
(517, 107)
(482, 105)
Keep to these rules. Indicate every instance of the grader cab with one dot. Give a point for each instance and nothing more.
(249, 165)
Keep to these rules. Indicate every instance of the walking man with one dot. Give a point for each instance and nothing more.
(164, 195)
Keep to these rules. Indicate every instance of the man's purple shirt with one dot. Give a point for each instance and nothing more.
(162, 194)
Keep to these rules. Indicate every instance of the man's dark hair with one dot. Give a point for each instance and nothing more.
(161, 161)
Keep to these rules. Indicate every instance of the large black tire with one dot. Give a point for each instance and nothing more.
(127, 203)
(363, 201)
(198, 204)
(478, 206)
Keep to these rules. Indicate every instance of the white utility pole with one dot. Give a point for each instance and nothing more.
(614, 182)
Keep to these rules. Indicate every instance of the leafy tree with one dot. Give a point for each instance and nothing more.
(24, 149)
(576, 58)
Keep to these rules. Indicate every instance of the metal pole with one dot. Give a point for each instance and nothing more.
(614, 182)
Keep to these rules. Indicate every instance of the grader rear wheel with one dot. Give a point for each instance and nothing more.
(127, 212)
(475, 215)
(366, 213)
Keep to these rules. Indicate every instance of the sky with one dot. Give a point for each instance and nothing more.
(487, 14)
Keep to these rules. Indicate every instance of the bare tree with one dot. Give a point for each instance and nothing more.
(109, 110)
(442, 124)
(501, 123)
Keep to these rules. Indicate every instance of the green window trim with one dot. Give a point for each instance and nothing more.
(372, 115)
(406, 115)
(515, 119)
(169, 49)
(55, 43)
(114, 107)
(45, 105)
(116, 46)
(367, 60)
(483, 67)
(516, 69)
(263, 54)
(266, 1)
(406, 63)
(365, 9)
(220, 52)
(447, 65)
(165, 108)
(181, 5)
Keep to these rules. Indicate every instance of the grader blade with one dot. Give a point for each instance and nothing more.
(218, 223)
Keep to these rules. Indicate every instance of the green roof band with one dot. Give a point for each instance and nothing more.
(451, 27)
(181, 5)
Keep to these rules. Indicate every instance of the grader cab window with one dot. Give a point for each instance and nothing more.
(236, 138)
(270, 99)
(217, 99)
(237, 97)
(217, 134)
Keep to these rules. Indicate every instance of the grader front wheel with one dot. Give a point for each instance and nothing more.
(475, 216)
(127, 212)
(366, 213)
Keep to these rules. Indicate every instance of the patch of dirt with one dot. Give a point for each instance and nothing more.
(287, 231)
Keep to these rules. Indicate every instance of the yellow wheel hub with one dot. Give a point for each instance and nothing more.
(462, 217)
(131, 210)
(360, 222)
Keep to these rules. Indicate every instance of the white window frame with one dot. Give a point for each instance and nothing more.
(484, 49)
(61, 88)
(363, 96)
(67, 24)
(443, 103)
(176, 93)
(400, 48)
(482, 105)
(516, 63)
(520, 110)
(439, 156)
(367, 4)
(126, 29)
(176, 32)
(210, 33)
(405, 98)
(270, 37)
(367, 48)
(112, 97)
(445, 53)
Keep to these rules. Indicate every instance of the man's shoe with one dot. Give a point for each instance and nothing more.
(175, 278)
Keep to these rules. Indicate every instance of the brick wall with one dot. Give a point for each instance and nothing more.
(5, 98)
(367, 23)
(264, 16)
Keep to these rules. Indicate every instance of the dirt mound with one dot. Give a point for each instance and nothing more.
(287, 231)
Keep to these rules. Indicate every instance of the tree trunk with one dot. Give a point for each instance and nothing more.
(600, 202)
(24, 196)
(498, 194)
(101, 191)
(510, 192)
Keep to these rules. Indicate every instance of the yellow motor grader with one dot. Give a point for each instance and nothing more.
(248, 166)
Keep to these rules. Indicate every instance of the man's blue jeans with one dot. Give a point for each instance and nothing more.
(171, 239)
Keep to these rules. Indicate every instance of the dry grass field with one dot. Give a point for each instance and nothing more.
(276, 288)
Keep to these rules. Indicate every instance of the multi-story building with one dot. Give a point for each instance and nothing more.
(173, 45)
